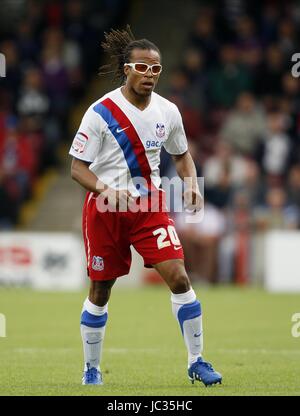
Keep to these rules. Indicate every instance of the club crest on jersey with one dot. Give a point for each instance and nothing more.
(160, 130)
(98, 263)
(79, 142)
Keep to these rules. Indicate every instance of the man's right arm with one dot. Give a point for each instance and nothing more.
(87, 144)
(80, 173)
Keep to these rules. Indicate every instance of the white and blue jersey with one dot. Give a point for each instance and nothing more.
(123, 142)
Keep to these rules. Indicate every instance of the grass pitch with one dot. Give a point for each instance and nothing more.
(247, 337)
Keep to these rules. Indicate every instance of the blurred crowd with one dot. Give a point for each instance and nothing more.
(241, 111)
(49, 60)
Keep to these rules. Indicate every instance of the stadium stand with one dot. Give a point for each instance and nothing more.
(50, 60)
(240, 105)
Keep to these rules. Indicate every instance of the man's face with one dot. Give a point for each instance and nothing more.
(142, 85)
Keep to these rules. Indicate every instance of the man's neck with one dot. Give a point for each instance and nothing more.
(138, 101)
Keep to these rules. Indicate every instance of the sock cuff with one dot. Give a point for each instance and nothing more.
(94, 309)
(93, 321)
(184, 298)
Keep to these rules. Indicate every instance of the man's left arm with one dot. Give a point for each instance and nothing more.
(186, 170)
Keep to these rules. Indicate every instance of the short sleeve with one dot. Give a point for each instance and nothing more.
(176, 143)
(88, 139)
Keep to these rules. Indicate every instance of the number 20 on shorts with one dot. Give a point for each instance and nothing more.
(163, 234)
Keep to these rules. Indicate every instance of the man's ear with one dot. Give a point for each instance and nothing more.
(126, 70)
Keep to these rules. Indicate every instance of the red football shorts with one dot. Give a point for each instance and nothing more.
(109, 235)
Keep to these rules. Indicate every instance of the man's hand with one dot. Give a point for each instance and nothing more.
(186, 170)
(117, 200)
(193, 200)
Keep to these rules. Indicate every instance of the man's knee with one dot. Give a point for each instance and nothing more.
(100, 292)
(179, 281)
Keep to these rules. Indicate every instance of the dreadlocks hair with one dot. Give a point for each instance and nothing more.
(119, 45)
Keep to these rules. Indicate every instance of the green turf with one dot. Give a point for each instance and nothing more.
(247, 337)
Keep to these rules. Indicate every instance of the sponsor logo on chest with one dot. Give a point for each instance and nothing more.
(160, 133)
(153, 144)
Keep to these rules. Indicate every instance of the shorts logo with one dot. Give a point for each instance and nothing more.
(160, 130)
(98, 263)
(79, 142)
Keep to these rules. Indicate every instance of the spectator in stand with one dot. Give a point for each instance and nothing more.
(224, 159)
(201, 242)
(253, 185)
(275, 149)
(269, 75)
(55, 78)
(75, 24)
(16, 161)
(79, 28)
(293, 187)
(290, 105)
(234, 248)
(227, 173)
(13, 67)
(26, 42)
(268, 23)
(287, 38)
(245, 34)
(248, 44)
(8, 207)
(36, 17)
(193, 67)
(37, 122)
(222, 171)
(228, 79)
(277, 212)
(291, 90)
(33, 139)
(70, 55)
(245, 125)
(179, 85)
(181, 94)
(32, 99)
(203, 38)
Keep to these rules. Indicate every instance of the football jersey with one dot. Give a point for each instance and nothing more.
(123, 143)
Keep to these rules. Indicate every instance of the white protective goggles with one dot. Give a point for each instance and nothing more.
(143, 68)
